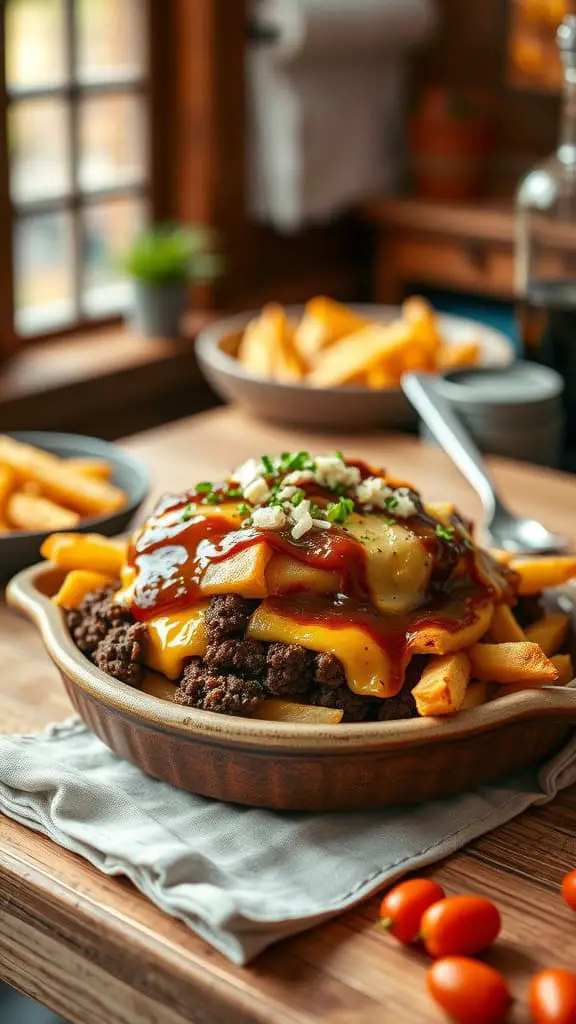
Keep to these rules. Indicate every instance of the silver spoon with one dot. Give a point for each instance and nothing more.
(505, 530)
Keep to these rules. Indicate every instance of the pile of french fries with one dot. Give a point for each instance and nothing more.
(332, 346)
(507, 658)
(495, 655)
(41, 492)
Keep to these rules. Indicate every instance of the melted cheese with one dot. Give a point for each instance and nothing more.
(170, 639)
(398, 567)
(366, 665)
(284, 575)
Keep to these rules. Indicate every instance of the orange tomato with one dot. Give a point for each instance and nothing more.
(459, 925)
(569, 889)
(552, 997)
(470, 992)
(402, 908)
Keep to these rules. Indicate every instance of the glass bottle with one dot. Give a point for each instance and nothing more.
(545, 257)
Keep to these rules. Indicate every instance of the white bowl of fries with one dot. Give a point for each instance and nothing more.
(329, 366)
(51, 481)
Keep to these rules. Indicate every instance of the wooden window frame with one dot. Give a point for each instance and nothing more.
(151, 86)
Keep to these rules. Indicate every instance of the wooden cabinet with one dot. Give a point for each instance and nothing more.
(462, 247)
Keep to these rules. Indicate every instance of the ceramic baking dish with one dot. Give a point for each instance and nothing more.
(297, 767)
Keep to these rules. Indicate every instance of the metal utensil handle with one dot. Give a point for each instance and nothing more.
(451, 435)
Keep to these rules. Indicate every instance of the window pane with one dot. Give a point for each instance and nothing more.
(43, 272)
(39, 149)
(112, 141)
(35, 43)
(111, 39)
(108, 230)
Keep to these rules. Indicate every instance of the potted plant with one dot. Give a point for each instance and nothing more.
(162, 261)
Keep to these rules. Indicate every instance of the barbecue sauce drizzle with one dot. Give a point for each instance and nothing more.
(170, 556)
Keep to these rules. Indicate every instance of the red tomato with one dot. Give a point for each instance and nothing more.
(552, 997)
(569, 889)
(469, 991)
(459, 925)
(402, 907)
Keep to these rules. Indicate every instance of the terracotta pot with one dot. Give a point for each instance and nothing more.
(450, 140)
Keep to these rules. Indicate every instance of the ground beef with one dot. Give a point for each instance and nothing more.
(95, 616)
(329, 671)
(227, 616)
(290, 669)
(227, 694)
(246, 658)
(402, 705)
(355, 708)
(120, 651)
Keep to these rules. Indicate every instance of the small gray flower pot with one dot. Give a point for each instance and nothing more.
(157, 309)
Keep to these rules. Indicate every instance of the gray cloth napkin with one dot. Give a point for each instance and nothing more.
(242, 878)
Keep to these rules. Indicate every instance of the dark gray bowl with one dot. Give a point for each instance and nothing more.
(345, 408)
(22, 548)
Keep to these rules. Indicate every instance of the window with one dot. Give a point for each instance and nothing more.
(76, 106)
(532, 51)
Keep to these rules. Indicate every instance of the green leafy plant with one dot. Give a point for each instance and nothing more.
(164, 254)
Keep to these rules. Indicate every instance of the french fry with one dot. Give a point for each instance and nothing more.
(435, 640)
(323, 323)
(501, 556)
(98, 469)
(563, 662)
(59, 483)
(442, 509)
(504, 628)
(273, 710)
(442, 685)
(417, 312)
(33, 512)
(76, 585)
(8, 483)
(87, 551)
(452, 357)
(257, 351)
(290, 365)
(356, 353)
(549, 632)
(511, 663)
(477, 692)
(535, 574)
(380, 376)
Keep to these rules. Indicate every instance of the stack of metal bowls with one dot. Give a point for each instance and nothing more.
(516, 412)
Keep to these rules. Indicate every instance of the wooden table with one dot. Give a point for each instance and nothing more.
(96, 951)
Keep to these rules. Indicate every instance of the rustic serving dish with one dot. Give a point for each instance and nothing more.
(297, 767)
(350, 407)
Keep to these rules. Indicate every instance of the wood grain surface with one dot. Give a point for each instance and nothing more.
(96, 951)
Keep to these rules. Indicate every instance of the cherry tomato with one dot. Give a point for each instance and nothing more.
(469, 991)
(459, 925)
(552, 997)
(402, 907)
(569, 889)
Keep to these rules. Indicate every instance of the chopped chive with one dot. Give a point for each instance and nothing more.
(340, 511)
(268, 464)
(187, 512)
(234, 492)
(212, 499)
(391, 522)
(340, 456)
(205, 487)
(298, 497)
(244, 509)
(445, 532)
(391, 502)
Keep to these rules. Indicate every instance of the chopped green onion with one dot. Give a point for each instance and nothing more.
(340, 511)
(268, 464)
(244, 509)
(340, 456)
(234, 492)
(391, 502)
(187, 512)
(212, 499)
(391, 522)
(445, 532)
(298, 497)
(204, 488)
